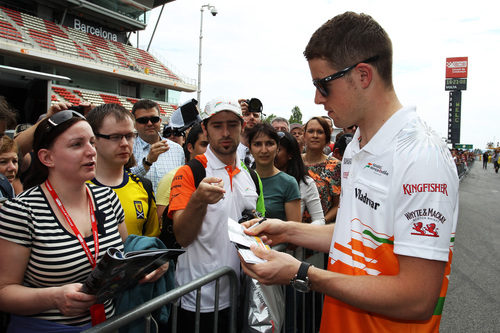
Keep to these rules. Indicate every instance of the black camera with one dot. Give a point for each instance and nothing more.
(254, 105)
(249, 214)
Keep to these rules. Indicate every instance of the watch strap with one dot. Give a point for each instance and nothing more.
(302, 273)
(146, 162)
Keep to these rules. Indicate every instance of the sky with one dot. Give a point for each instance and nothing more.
(255, 49)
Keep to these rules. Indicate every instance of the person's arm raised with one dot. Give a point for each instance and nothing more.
(187, 221)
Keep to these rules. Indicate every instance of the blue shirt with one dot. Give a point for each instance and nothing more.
(166, 161)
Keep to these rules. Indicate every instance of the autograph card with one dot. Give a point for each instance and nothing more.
(244, 241)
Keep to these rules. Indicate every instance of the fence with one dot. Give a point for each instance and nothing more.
(145, 310)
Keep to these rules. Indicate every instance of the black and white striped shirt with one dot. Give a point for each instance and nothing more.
(57, 257)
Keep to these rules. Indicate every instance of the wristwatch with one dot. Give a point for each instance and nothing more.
(300, 281)
(145, 161)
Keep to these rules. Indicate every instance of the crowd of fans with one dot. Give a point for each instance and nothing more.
(89, 182)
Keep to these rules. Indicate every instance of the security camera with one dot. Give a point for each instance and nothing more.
(213, 11)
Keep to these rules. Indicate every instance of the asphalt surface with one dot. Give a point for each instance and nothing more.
(473, 300)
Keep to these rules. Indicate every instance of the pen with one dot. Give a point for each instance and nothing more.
(258, 222)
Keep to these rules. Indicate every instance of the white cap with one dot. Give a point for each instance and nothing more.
(217, 105)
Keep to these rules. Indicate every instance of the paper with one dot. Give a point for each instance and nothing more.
(244, 241)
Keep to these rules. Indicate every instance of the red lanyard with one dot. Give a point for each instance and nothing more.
(93, 261)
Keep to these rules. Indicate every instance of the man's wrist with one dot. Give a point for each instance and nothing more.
(146, 162)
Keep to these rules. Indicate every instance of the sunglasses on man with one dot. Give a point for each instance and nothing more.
(322, 84)
(145, 120)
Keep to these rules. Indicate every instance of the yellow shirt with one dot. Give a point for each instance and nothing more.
(140, 219)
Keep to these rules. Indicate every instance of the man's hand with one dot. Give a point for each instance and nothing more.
(272, 231)
(156, 149)
(57, 107)
(243, 104)
(210, 190)
(280, 267)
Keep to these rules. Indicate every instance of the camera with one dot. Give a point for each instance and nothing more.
(213, 11)
(249, 214)
(254, 105)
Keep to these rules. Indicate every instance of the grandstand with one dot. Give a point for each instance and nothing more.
(83, 47)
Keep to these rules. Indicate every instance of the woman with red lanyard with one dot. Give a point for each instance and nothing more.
(52, 234)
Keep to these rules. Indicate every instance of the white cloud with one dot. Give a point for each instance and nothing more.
(254, 49)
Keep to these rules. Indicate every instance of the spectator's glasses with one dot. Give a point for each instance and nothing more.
(63, 116)
(169, 132)
(117, 137)
(145, 120)
(322, 84)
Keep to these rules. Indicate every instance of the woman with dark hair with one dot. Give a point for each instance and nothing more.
(281, 191)
(324, 170)
(290, 161)
(54, 233)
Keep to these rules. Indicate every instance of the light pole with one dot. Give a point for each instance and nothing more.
(214, 12)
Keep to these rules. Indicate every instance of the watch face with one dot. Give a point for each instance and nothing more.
(301, 285)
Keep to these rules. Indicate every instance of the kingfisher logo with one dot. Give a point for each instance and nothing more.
(347, 161)
(409, 189)
(377, 168)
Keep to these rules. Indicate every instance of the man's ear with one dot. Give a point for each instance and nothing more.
(365, 73)
(204, 129)
(45, 156)
(190, 147)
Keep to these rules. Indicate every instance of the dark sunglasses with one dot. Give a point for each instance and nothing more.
(145, 120)
(321, 84)
(63, 116)
(117, 137)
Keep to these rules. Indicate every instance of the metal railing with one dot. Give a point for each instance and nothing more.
(145, 310)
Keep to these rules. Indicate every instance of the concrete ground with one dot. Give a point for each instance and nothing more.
(473, 300)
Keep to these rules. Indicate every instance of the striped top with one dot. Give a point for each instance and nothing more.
(57, 257)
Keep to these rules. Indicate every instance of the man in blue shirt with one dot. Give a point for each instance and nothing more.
(155, 155)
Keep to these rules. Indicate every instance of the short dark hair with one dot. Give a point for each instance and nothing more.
(145, 104)
(350, 38)
(97, 115)
(192, 138)
(342, 142)
(324, 125)
(263, 128)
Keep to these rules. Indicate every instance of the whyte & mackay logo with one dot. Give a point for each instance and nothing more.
(428, 213)
(377, 168)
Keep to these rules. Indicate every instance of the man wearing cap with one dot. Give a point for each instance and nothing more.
(250, 119)
(200, 214)
(154, 154)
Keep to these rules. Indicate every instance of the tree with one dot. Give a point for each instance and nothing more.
(269, 118)
(296, 116)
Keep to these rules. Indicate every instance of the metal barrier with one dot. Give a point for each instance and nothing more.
(303, 311)
(145, 310)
